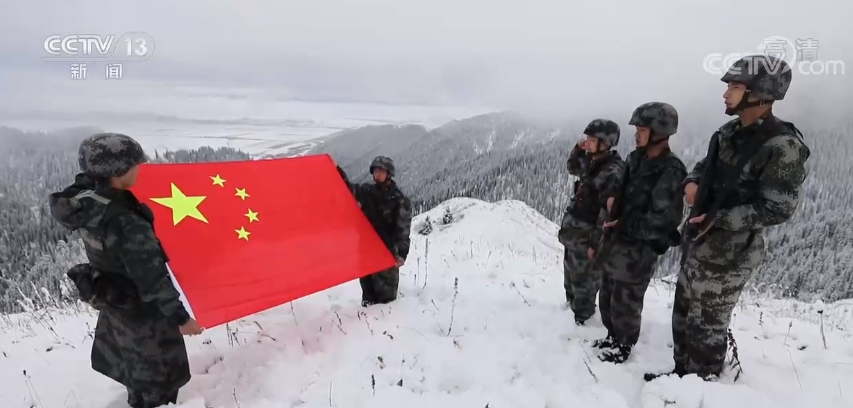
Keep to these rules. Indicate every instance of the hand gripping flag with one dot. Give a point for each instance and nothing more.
(246, 236)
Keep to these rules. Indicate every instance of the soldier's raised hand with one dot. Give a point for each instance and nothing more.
(191, 328)
(610, 204)
(400, 262)
(590, 253)
(690, 193)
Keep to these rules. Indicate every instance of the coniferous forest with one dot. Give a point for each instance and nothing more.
(490, 157)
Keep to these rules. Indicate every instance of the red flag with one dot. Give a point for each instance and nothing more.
(246, 236)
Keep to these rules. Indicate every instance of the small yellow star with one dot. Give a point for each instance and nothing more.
(241, 192)
(253, 216)
(242, 233)
(218, 181)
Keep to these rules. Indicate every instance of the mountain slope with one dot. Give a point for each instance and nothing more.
(354, 149)
(479, 323)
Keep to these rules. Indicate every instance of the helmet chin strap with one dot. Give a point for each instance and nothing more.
(743, 104)
(652, 142)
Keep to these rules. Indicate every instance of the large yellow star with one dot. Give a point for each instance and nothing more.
(218, 181)
(181, 205)
(241, 192)
(253, 216)
(242, 233)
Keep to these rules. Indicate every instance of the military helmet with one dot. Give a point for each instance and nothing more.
(765, 76)
(660, 117)
(605, 130)
(109, 154)
(383, 162)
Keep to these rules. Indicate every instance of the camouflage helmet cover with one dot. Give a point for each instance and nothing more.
(383, 162)
(605, 130)
(660, 117)
(767, 77)
(109, 154)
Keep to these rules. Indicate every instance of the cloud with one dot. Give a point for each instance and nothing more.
(547, 56)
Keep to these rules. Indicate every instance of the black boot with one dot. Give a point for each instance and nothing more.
(616, 354)
(604, 343)
(678, 370)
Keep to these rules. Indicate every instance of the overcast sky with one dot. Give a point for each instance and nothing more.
(538, 55)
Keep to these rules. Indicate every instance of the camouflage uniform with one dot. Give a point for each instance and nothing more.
(649, 209)
(390, 213)
(137, 338)
(765, 193)
(598, 178)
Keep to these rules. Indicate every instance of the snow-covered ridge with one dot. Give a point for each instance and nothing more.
(479, 323)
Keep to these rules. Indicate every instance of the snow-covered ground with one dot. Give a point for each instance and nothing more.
(479, 323)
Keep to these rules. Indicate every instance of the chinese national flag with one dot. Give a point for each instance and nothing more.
(246, 236)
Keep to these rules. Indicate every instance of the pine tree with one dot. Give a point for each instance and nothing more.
(426, 227)
(448, 216)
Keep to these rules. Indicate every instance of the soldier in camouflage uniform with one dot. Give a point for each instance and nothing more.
(751, 179)
(644, 225)
(390, 213)
(598, 169)
(138, 338)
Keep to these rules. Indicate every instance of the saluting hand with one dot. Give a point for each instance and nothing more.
(610, 224)
(400, 262)
(590, 253)
(610, 204)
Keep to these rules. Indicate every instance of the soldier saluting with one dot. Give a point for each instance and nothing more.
(750, 179)
(138, 338)
(598, 168)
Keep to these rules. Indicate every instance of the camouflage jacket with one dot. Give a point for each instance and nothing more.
(766, 191)
(388, 210)
(597, 180)
(650, 203)
(137, 341)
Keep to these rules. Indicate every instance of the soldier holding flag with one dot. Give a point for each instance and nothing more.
(138, 338)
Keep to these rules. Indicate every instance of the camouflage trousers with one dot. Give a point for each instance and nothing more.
(380, 287)
(581, 280)
(150, 399)
(705, 296)
(627, 270)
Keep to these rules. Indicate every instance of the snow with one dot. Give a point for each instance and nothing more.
(479, 323)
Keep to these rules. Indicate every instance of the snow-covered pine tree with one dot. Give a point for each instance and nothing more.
(426, 226)
(448, 216)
